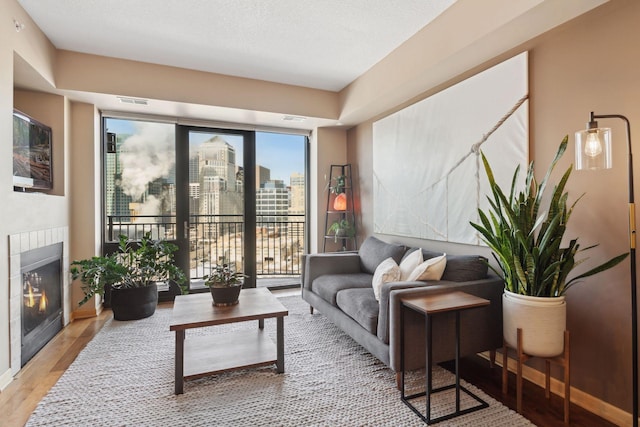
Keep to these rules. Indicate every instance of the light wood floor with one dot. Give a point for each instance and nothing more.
(32, 383)
(21, 397)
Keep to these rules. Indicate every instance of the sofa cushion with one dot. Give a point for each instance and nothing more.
(373, 251)
(409, 262)
(387, 271)
(361, 305)
(328, 285)
(462, 268)
(431, 269)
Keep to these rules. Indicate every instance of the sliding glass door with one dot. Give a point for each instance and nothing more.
(280, 207)
(216, 221)
(223, 196)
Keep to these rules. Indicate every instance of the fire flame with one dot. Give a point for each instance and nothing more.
(31, 302)
(43, 302)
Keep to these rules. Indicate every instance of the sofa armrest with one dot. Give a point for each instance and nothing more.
(315, 265)
(383, 310)
(481, 328)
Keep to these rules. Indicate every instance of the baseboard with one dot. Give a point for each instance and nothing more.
(85, 313)
(578, 397)
(5, 379)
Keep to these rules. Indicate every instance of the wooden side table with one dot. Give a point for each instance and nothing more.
(562, 360)
(431, 305)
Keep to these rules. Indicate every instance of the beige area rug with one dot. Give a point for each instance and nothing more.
(125, 377)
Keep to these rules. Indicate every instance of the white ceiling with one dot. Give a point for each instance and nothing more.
(324, 44)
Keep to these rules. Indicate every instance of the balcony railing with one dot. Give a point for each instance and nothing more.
(219, 239)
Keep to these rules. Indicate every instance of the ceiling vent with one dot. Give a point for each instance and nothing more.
(294, 119)
(136, 101)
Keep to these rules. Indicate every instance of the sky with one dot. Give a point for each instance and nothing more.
(283, 154)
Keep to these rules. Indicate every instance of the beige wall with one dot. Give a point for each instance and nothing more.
(590, 67)
(328, 147)
(84, 160)
(573, 70)
(82, 72)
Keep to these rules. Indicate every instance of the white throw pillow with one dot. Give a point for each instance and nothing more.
(409, 263)
(387, 271)
(431, 269)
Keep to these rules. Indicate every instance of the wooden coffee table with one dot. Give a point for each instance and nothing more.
(200, 356)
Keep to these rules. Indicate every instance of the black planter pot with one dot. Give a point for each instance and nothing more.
(134, 303)
(225, 295)
(106, 301)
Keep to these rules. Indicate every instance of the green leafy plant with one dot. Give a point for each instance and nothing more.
(342, 228)
(526, 241)
(339, 186)
(136, 264)
(96, 273)
(224, 276)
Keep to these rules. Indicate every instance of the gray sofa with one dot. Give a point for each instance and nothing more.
(339, 285)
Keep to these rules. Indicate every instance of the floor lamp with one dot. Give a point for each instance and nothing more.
(593, 151)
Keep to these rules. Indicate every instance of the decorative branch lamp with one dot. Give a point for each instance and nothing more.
(593, 151)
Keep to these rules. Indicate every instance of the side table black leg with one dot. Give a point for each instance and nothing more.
(261, 323)
(280, 344)
(457, 361)
(179, 362)
(402, 391)
(427, 324)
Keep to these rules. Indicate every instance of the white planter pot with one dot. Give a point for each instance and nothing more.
(542, 320)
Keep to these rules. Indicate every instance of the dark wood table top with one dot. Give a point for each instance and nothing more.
(197, 310)
(440, 303)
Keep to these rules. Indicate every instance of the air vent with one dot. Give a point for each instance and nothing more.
(136, 101)
(294, 118)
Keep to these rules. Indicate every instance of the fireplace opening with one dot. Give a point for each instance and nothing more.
(41, 271)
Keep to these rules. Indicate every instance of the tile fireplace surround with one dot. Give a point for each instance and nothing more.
(18, 244)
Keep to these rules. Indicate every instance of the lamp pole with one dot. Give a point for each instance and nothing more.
(632, 254)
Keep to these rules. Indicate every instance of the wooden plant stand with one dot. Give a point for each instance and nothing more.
(562, 360)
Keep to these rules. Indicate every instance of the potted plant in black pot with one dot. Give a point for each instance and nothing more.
(225, 284)
(132, 274)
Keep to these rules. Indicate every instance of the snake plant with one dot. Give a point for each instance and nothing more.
(526, 240)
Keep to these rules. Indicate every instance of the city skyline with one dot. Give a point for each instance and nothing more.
(281, 153)
(140, 175)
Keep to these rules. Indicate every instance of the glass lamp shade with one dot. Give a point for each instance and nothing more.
(593, 149)
(340, 202)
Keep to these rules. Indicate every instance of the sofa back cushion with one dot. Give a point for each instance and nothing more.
(373, 251)
(462, 268)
